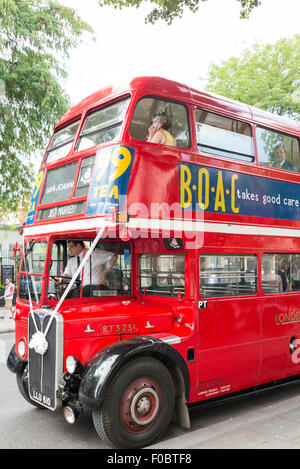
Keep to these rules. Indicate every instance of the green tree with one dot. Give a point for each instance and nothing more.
(35, 39)
(267, 76)
(168, 10)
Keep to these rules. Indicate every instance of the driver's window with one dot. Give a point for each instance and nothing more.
(58, 258)
(107, 272)
(57, 263)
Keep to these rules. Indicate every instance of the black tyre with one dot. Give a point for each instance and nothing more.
(22, 383)
(138, 405)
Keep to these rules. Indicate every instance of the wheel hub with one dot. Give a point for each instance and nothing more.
(143, 406)
(140, 405)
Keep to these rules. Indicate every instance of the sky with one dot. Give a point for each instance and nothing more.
(126, 47)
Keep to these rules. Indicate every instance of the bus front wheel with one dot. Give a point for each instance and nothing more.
(138, 405)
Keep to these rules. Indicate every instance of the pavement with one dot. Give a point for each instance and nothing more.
(270, 421)
(267, 421)
(6, 325)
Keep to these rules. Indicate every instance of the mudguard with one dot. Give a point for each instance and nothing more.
(101, 369)
(14, 362)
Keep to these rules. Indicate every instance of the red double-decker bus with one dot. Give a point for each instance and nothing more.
(161, 259)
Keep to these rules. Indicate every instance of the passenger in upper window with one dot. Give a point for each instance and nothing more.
(158, 131)
(280, 161)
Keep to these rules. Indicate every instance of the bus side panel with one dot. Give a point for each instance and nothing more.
(229, 350)
(280, 326)
(274, 341)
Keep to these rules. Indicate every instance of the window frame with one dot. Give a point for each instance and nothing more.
(49, 150)
(41, 275)
(231, 153)
(163, 293)
(291, 280)
(66, 256)
(92, 111)
(167, 100)
(275, 131)
(213, 272)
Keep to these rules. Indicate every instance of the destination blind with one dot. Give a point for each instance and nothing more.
(59, 184)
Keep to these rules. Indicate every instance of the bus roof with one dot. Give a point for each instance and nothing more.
(170, 89)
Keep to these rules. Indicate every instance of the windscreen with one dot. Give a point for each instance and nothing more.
(102, 125)
(61, 143)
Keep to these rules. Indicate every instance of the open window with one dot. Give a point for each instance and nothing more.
(223, 136)
(106, 273)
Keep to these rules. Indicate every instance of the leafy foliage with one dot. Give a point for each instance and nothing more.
(35, 39)
(267, 77)
(168, 10)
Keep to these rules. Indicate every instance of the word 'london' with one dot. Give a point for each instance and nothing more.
(287, 318)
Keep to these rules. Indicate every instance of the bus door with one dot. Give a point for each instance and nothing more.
(229, 324)
(281, 316)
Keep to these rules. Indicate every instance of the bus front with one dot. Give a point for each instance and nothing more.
(84, 327)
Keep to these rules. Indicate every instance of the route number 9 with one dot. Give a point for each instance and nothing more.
(120, 158)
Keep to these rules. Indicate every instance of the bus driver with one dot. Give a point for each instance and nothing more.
(95, 270)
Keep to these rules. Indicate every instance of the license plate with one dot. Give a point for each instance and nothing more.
(41, 398)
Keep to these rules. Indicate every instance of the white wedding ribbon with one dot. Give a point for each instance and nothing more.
(38, 340)
(29, 294)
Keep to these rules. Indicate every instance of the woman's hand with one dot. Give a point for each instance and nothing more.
(153, 129)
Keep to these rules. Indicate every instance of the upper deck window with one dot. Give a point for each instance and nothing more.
(146, 111)
(224, 136)
(277, 150)
(61, 143)
(102, 126)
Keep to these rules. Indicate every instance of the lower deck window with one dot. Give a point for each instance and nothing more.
(280, 273)
(162, 274)
(227, 275)
(31, 271)
(30, 287)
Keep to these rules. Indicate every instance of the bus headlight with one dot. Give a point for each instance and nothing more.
(21, 348)
(73, 365)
